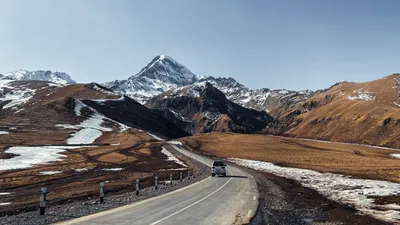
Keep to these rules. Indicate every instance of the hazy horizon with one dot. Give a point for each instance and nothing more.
(261, 44)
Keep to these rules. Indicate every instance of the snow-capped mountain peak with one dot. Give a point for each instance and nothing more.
(164, 73)
(166, 68)
(55, 77)
(161, 74)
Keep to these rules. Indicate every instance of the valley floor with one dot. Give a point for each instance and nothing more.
(117, 159)
(353, 179)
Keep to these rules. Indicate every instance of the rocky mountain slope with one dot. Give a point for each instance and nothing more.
(202, 108)
(164, 73)
(274, 102)
(160, 75)
(366, 113)
(55, 77)
(38, 106)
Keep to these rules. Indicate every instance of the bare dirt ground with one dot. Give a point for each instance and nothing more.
(358, 161)
(284, 201)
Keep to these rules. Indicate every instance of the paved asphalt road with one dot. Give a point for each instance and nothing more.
(214, 200)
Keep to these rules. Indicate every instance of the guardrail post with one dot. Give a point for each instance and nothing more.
(137, 186)
(170, 178)
(43, 192)
(180, 176)
(156, 183)
(101, 192)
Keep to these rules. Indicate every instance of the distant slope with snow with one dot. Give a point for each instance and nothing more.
(164, 73)
(202, 108)
(366, 113)
(41, 75)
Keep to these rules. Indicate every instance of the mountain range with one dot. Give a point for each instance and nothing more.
(55, 77)
(173, 96)
(164, 73)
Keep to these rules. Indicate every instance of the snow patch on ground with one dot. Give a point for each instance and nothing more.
(90, 129)
(337, 187)
(397, 156)
(4, 132)
(16, 95)
(50, 172)
(175, 142)
(155, 137)
(5, 193)
(113, 169)
(29, 156)
(361, 94)
(5, 203)
(81, 170)
(172, 157)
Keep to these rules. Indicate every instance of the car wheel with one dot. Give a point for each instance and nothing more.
(213, 175)
(224, 175)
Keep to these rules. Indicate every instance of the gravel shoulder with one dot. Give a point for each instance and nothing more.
(57, 212)
(284, 201)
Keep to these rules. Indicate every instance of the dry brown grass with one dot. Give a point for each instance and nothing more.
(137, 153)
(337, 118)
(355, 160)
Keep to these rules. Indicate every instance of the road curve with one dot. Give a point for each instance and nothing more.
(214, 200)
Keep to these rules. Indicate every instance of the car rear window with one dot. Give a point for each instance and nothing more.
(218, 163)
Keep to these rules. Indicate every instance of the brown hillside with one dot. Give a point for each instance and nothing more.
(356, 160)
(350, 112)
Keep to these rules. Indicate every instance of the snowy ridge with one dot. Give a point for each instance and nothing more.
(161, 74)
(340, 188)
(90, 129)
(15, 95)
(164, 73)
(55, 77)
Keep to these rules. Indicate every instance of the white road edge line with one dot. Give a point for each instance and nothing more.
(175, 213)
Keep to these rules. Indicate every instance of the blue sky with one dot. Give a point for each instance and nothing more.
(308, 44)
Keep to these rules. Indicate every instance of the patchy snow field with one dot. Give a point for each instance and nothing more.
(50, 172)
(172, 157)
(27, 156)
(340, 188)
(155, 137)
(397, 156)
(4, 132)
(361, 94)
(16, 95)
(113, 169)
(90, 129)
(175, 142)
(81, 170)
